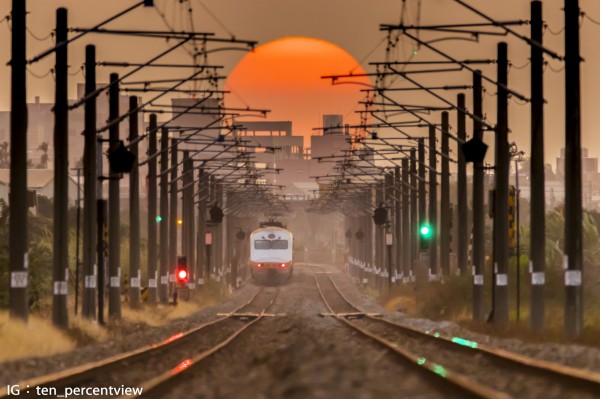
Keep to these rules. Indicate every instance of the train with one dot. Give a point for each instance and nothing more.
(271, 255)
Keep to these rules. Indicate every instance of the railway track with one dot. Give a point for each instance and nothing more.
(310, 267)
(478, 370)
(150, 366)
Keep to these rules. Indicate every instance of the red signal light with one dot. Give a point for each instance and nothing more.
(182, 275)
(283, 265)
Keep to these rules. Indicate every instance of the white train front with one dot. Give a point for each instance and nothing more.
(271, 255)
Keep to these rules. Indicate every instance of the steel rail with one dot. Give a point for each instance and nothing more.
(95, 366)
(577, 376)
(466, 384)
(159, 381)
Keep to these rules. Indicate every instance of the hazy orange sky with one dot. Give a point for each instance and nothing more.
(350, 24)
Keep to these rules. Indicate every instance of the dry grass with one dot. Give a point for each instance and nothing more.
(452, 301)
(85, 331)
(40, 338)
(160, 314)
(37, 338)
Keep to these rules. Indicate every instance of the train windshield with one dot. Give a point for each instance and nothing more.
(271, 244)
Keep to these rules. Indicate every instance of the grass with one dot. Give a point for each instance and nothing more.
(39, 338)
(452, 300)
(36, 338)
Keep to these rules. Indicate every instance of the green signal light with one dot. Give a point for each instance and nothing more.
(158, 219)
(425, 231)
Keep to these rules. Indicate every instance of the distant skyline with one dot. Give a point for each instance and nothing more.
(350, 24)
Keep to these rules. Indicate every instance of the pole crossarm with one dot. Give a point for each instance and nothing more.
(157, 81)
(334, 78)
(510, 31)
(81, 34)
(442, 99)
(455, 87)
(466, 62)
(128, 74)
(147, 65)
(465, 66)
(388, 27)
(158, 34)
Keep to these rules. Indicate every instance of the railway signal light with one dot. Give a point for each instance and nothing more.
(216, 214)
(182, 270)
(120, 159)
(380, 216)
(474, 150)
(425, 235)
(158, 219)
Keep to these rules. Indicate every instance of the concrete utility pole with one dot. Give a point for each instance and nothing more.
(173, 226)
(500, 315)
(398, 222)
(573, 206)
(445, 198)
(538, 199)
(114, 207)
(433, 249)
(188, 218)
(152, 205)
(102, 227)
(406, 234)
(89, 188)
(462, 239)
(163, 291)
(134, 209)
(17, 198)
(203, 270)
(413, 211)
(422, 183)
(389, 199)
(379, 241)
(478, 231)
(218, 245)
(60, 314)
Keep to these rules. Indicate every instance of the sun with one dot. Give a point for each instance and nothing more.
(284, 76)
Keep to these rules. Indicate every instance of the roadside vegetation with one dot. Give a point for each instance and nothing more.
(39, 337)
(452, 300)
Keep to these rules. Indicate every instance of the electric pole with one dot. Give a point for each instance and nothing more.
(573, 207)
(478, 231)
(89, 188)
(60, 314)
(152, 216)
(433, 250)
(501, 193)
(444, 227)
(462, 239)
(163, 291)
(538, 199)
(134, 209)
(114, 207)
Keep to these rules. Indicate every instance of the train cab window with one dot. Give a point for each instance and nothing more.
(279, 244)
(262, 244)
(271, 244)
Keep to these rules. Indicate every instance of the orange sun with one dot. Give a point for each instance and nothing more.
(285, 76)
